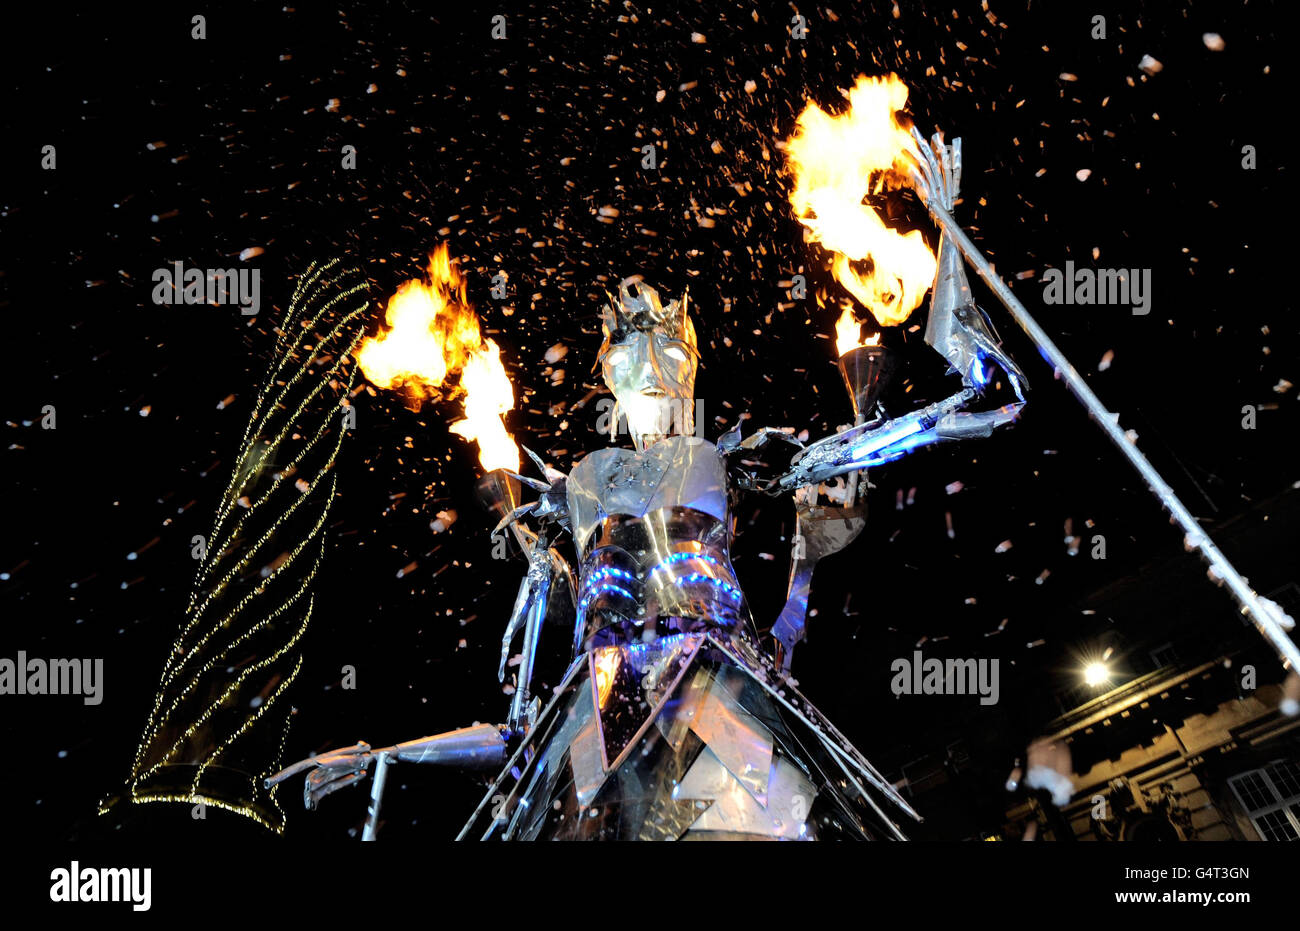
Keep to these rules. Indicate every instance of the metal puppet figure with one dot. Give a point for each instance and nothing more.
(674, 721)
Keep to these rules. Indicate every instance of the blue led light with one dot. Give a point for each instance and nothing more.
(608, 571)
(681, 557)
(610, 587)
(663, 644)
(862, 451)
(696, 576)
(902, 448)
(725, 586)
(595, 584)
(592, 595)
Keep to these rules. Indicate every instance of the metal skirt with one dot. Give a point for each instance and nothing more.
(689, 737)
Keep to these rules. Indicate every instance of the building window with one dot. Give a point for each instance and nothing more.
(1286, 776)
(1271, 797)
(1164, 656)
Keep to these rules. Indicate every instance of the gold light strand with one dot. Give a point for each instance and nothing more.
(260, 444)
(231, 497)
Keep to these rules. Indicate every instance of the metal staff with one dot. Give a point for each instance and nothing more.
(1268, 617)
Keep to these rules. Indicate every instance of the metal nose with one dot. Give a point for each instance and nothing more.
(645, 364)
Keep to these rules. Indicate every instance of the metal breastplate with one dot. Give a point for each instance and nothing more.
(652, 537)
(664, 573)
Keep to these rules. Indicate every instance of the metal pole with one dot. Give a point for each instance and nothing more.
(376, 796)
(532, 628)
(1221, 570)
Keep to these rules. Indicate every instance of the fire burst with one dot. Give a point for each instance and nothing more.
(848, 331)
(837, 162)
(433, 334)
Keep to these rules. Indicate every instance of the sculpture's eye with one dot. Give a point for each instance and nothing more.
(616, 357)
(675, 352)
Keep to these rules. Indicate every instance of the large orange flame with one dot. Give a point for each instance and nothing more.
(432, 334)
(488, 395)
(837, 161)
(848, 331)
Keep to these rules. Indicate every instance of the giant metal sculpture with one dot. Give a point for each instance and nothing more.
(673, 721)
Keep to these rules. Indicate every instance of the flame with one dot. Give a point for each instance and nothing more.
(431, 334)
(488, 395)
(837, 161)
(848, 330)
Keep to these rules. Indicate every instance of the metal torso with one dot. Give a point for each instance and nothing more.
(652, 538)
(672, 724)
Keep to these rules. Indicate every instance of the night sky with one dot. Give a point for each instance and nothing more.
(524, 154)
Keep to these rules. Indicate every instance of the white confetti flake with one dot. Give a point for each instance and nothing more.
(1150, 65)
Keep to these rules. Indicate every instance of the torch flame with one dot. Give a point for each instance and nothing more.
(488, 395)
(848, 330)
(837, 161)
(431, 334)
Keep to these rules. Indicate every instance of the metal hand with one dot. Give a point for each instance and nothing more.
(731, 443)
(333, 770)
(480, 747)
(552, 505)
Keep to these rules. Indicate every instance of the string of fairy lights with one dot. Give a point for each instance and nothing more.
(182, 729)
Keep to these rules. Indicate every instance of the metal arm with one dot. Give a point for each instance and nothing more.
(545, 567)
(1269, 618)
(870, 445)
(956, 329)
(529, 613)
(481, 747)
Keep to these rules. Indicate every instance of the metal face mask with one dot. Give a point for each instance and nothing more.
(648, 360)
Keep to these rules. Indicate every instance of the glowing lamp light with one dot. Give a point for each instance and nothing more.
(1095, 673)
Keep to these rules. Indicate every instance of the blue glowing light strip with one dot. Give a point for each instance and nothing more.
(875, 442)
(682, 557)
(664, 644)
(725, 586)
(600, 575)
(696, 576)
(617, 589)
(902, 449)
(595, 593)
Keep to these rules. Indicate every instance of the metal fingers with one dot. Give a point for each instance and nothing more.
(323, 782)
(938, 168)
